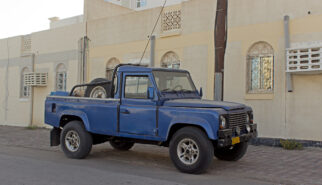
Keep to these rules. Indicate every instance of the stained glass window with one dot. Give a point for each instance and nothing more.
(261, 68)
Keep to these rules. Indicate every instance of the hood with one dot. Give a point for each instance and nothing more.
(197, 103)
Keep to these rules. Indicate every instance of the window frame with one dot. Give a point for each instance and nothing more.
(136, 75)
(61, 69)
(249, 63)
(25, 90)
(165, 63)
(64, 80)
(140, 3)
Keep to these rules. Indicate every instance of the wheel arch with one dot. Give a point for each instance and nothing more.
(69, 116)
(204, 127)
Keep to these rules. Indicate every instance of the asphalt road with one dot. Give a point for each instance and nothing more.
(38, 166)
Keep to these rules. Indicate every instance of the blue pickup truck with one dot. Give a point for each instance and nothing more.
(151, 106)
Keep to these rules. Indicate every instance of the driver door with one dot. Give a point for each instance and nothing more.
(137, 112)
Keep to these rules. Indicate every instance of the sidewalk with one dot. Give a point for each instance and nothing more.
(263, 163)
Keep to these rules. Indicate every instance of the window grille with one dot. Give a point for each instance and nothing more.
(260, 68)
(61, 78)
(25, 90)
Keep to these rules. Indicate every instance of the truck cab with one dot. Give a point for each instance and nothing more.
(152, 106)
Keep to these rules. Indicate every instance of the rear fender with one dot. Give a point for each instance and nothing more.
(79, 114)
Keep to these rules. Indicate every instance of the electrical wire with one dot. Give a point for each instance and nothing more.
(155, 25)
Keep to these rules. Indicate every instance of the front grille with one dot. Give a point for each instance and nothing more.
(237, 120)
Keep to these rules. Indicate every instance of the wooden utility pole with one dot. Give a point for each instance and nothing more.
(220, 47)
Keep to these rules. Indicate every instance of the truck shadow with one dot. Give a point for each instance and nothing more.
(153, 156)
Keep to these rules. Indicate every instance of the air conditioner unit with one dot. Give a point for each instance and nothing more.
(36, 79)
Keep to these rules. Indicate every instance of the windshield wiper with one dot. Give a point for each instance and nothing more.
(186, 90)
(169, 90)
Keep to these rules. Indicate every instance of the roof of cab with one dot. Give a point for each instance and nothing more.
(132, 68)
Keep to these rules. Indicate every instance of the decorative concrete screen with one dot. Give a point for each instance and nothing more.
(171, 21)
(36, 79)
(305, 57)
(26, 45)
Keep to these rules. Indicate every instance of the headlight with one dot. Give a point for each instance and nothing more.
(222, 122)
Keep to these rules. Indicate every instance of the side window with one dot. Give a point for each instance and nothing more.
(136, 87)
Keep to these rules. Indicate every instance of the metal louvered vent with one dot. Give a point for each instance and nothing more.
(36, 79)
(237, 120)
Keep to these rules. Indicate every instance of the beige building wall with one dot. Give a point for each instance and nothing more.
(96, 9)
(50, 48)
(280, 114)
(61, 46)
(119, 32)
(14, 109)
(125, 37)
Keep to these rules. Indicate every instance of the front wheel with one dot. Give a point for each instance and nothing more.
(232, 153)
(75, 141)
(191, 151)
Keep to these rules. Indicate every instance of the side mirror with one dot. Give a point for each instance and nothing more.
(150, 93)
(200, 92)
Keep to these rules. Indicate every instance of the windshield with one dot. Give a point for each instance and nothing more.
(174, 82)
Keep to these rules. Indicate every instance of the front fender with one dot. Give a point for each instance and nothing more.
(79, 114)
(209, 128)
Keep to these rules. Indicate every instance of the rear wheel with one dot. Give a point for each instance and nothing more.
(232, 153)
(191, 151)
(121, 145)
(75, 141)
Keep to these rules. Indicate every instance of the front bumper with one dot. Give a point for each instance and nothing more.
(225, 137)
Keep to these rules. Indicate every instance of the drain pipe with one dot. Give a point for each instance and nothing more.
(152, 50)
(289, 83)
(31, 99)
(7, 86)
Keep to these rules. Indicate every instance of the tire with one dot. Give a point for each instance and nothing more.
(104, 89)
(198, 141)
(75, 129)
(121, 145)
(232, 153)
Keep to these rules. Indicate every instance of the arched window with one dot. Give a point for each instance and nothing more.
(24, 89)
(61, 77)
(110, 65)
(170, 60)
(260, 59)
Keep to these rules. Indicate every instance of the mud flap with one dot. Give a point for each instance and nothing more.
(55, 136)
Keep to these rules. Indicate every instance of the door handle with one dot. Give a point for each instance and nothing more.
(125, 111)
